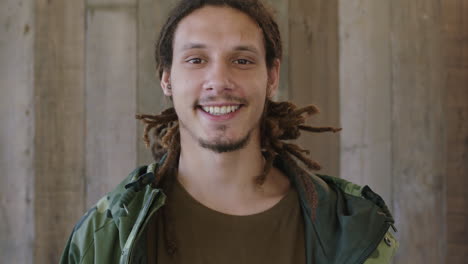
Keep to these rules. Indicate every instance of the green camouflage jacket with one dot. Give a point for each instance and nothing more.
(351, 224)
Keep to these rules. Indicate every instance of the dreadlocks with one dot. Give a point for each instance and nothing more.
(166, 139)
(282, 121)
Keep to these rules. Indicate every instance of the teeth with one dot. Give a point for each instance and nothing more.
(216, 110)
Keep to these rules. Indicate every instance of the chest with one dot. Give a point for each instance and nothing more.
(201, 235)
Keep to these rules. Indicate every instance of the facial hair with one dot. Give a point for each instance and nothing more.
(221, 147)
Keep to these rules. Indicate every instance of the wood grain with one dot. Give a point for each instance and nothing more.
(111, 3)
(281, 12)
(456, 62)
(16, 132)
(418, 150)
(59, 126)
(313, 73)
(365, 89)
(111, 61)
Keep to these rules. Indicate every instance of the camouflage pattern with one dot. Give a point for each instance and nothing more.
(344, 185)
(385, 250)
(111, 231)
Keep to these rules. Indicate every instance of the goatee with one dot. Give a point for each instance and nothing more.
(219, 146)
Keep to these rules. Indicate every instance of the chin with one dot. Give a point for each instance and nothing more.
(221, 145)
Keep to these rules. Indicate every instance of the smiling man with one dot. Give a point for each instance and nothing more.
(225, 186)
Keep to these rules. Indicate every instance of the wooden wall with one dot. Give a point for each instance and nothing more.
(365, 94)
(418, 151)
(110, 94)
(16, 132)
(404, 105)
(455, 29)
(59, 124)
(74, 73)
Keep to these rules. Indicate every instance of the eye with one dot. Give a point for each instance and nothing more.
(242, 61)
(196, 61)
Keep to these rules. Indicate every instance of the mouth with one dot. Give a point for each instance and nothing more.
(220, 110)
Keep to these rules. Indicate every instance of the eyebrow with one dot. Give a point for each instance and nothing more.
(236, 48)
(193, 46)
(247, 48)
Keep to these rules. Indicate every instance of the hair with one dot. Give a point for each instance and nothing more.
(281, 121)
(255, 9)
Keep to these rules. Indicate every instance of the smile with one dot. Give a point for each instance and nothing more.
(220, 110)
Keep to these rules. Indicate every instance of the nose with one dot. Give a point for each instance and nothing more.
(218, 77)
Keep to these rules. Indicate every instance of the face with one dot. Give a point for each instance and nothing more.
(219, 78)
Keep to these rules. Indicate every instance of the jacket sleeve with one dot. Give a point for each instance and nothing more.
(69, 256)
(73, 255)
(79, 245)
(385, 251)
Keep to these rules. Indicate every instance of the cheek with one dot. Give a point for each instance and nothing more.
(185, 90)
(260, 91)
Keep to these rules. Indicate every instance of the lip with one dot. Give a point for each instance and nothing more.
(220, 118)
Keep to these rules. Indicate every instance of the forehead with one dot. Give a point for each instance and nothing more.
(212, 26)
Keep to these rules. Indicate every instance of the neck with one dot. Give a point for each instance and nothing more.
(232, 170)
(226, 181)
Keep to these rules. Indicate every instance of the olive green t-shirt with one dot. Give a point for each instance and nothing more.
(206, 236)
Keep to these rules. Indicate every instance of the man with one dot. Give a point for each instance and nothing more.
(225, 186)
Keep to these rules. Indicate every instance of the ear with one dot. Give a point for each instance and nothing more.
(166, 83)
(273, 78)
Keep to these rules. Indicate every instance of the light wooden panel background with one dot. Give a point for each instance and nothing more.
(17, 232)
(404, 103)
(59, 180)
(393, 74)
(392, 102)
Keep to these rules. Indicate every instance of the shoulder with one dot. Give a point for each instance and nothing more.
(102, 218)
(337, 190)
(357, 217)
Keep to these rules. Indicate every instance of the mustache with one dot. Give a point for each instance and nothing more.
(224, 98)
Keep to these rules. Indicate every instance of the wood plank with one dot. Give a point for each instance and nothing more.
(365, 89)
(313, 73)
(457, 135)
(59, 128)
(111, 3)
(457, 231)
(418, 131)
(457, 253)
(455, 32)
(17, 131)
(151, 17)
(281, 11)
(110, 99)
